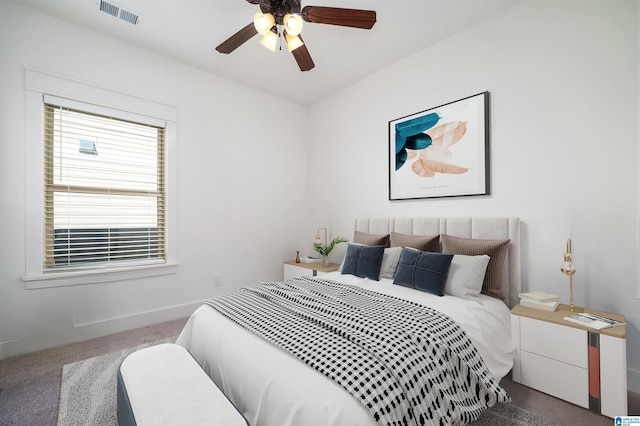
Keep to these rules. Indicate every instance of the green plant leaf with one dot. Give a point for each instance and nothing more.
(325, 250)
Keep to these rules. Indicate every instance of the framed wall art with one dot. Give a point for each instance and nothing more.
(441, 152)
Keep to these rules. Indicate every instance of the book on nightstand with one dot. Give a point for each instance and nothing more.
(545, 306)
(593, 321)
(309, 259)
(540, 296)
(540, 300)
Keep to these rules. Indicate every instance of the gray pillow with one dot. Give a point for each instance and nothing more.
(466, 276)
(390, 261)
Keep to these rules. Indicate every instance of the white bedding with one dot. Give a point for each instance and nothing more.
(271, 387)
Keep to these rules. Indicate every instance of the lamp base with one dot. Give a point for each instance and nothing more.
(571, 292)
(566, 308)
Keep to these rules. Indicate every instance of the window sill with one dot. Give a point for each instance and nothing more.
(94, 276)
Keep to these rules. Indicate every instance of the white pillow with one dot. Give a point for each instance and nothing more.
(466, 275)
(390, 260)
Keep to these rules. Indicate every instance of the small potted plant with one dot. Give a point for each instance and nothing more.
(325, 250)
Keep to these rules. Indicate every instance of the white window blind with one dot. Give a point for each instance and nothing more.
(104, 188)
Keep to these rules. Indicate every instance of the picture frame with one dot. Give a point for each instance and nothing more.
(441, 152)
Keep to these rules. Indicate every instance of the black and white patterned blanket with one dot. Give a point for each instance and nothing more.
(408, 364)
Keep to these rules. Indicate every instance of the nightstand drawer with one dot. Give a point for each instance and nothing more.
(564, 344)
(556, 378)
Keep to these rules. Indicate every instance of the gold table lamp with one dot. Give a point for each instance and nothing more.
(568, 269)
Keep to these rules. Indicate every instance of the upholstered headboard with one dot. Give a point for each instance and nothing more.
(493, 228)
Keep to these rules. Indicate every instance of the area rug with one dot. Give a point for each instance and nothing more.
(88, 388)
(88, 395)
(512, 415)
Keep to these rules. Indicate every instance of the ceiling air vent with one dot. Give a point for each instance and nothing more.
(118, 12)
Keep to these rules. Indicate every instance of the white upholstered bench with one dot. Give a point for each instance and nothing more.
(164, 385)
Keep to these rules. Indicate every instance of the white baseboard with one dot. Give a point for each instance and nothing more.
(78, 332)
(633, 380)
(154, 315)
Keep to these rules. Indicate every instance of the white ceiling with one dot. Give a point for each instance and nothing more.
(189, 30)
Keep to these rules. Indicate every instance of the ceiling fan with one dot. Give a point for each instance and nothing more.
(288, 15)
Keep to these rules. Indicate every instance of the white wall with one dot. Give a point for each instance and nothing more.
(241, 193)
(563, 81)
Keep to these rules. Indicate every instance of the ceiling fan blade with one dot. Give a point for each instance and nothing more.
(356, 18)
(236, 40)
(303, 58)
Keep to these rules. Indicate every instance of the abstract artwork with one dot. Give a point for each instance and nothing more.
(441, 152)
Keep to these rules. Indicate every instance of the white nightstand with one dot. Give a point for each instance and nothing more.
(584, 366)
(302, 269)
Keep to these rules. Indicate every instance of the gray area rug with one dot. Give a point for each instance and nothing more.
(512, 415)
(88, 389)
(88, 395)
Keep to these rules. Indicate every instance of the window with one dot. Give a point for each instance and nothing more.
(107, 199)
(104, 188)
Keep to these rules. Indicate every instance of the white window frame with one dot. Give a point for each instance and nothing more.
(37, 85)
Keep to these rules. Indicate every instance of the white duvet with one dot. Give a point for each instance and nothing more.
(271, 387)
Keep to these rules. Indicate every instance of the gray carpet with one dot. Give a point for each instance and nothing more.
(88, 390)
(512, 415)
(88, 395)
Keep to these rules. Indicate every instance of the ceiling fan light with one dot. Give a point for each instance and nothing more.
(292, 23)
(263, 22)
(270, 41)
(293, 42)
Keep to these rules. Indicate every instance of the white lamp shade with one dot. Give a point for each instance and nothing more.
(263, 22)
(293, 42)
(292, 24)
(270, 41)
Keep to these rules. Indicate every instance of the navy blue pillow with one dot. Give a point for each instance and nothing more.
(363, 261)
(423, 270)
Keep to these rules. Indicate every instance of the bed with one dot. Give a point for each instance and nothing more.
(273, 384)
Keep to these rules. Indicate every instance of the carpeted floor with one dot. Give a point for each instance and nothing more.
(30, 384)
(88, 389)
(88, 395)
(512, 415)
